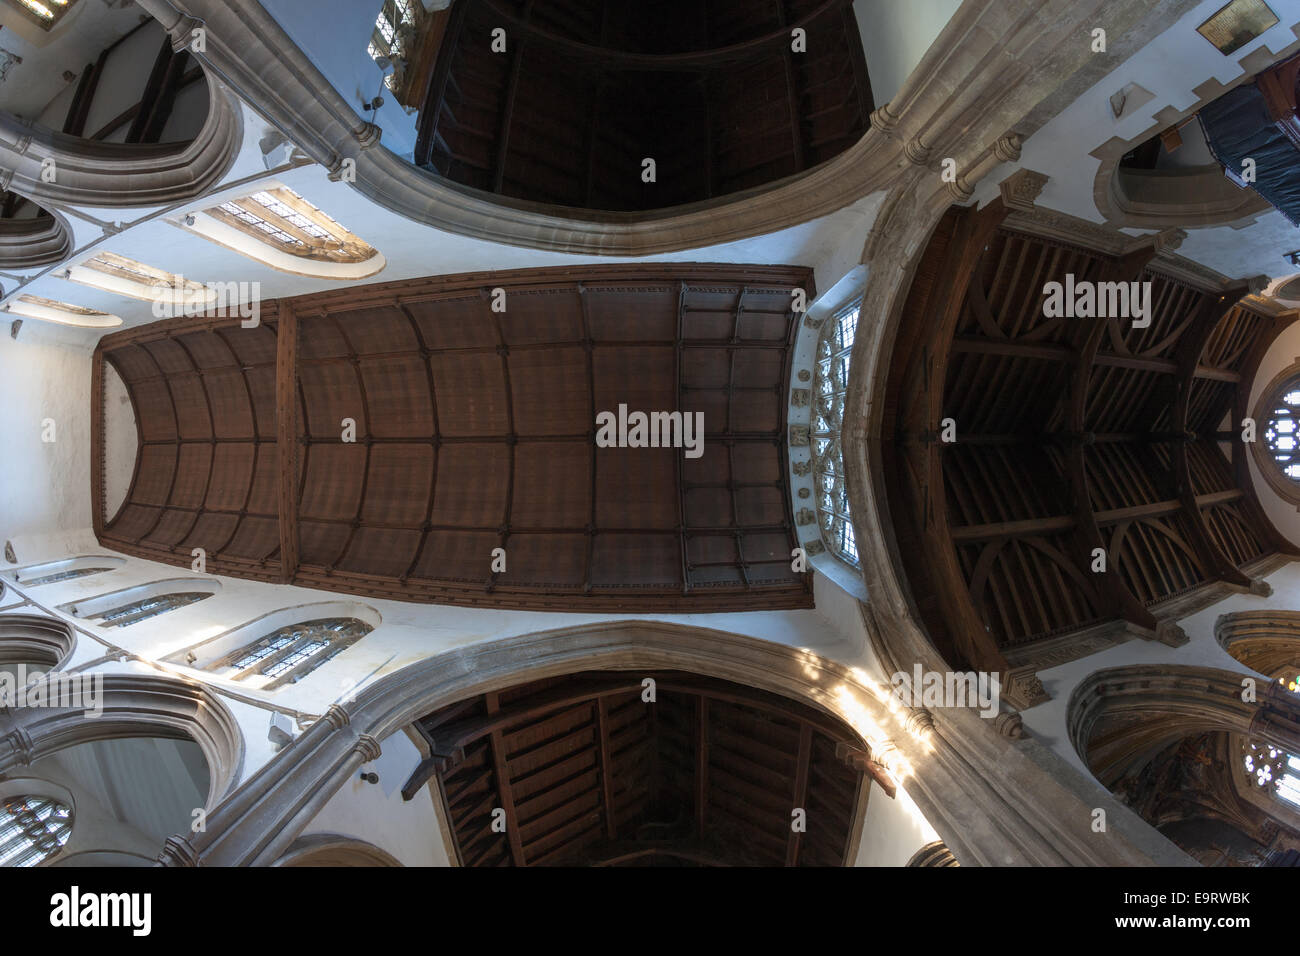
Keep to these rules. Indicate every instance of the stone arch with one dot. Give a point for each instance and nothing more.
(1117, 716)
(119, 175)
(35, 639)
(332, 849)
(134, 705)
(30, 243)
(1267, 642)
(248, 830)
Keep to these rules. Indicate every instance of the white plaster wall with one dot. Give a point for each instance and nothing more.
(377, 814)
(121, 437)
(44, 486)
(335, 34)
(892, 829)
(895, 35)
(1171, 66)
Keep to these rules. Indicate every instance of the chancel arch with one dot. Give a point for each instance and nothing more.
(34, 641)
(1181, 748)
(127, 705)
(1265, 641)
(331, 849)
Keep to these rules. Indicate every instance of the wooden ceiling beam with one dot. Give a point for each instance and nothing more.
(922, 423)
(1088, 537)
(286, 445)
(501, 773)
(803, 767)
(1190, 348)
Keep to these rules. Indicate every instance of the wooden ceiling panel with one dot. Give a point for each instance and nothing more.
(544, 494)
(232, 471)
(455, 321)
(331, 392)
(589, 773)
(473, 430)
(399, 484)
(398, 397)
(473, 482)
(1074, 435)
(549, 392)
(473, 400)
(157, 465)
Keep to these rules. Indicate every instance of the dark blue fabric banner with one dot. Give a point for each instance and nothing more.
(1237, 127)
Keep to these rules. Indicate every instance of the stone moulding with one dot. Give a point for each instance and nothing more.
(133, 705)
(119, 175)
(987, 51)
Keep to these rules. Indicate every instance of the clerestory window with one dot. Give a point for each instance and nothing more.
(831, 383)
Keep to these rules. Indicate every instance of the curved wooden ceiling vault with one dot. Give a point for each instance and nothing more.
(1072, 434)
(587, 89)
(475, 430)
(588, 772)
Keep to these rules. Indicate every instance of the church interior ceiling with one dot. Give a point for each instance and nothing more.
(437, 440)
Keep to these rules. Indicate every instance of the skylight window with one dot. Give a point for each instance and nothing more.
(834, 349)
(285, 220)
(62, 313)
(45, 12)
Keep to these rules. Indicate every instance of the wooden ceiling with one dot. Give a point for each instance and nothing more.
(587, 772)
(587, 89)
(1072, 434)
(475, 430)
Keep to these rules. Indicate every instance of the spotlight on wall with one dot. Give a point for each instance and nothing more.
(370, 777)
(385, 67)
(189, 219)
(1292, 257)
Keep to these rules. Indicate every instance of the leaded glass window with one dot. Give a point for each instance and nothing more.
(834, 350)
(293, 651)
(32, 829)
(1273, 770)
(63, 576)
(395, 28)
(283, 219)
(1282, 433)
(142, 610)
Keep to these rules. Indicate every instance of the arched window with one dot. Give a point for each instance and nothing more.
(293, 651)
(32, 829)
(135, 604)
(831, 383)
(61, 313)
(281, 229)
(1273, 770)
(1282, 432)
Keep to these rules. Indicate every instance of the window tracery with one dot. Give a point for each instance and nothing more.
(32, 829)
(834, 349)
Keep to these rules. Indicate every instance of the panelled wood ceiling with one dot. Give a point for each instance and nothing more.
(1072, 434)
(585, 90)
(474, 430)
(588, 772)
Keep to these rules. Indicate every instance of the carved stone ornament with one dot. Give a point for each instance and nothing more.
(1023, 689)
(800, 397)
(806, 516)
(802, 468)
(813, 547)
(799, 436)
(1020, 189)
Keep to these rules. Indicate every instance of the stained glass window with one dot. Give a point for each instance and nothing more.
(32, 829)
(834, 350)
(1273, 770)
(293, 651)
(1282, 433)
